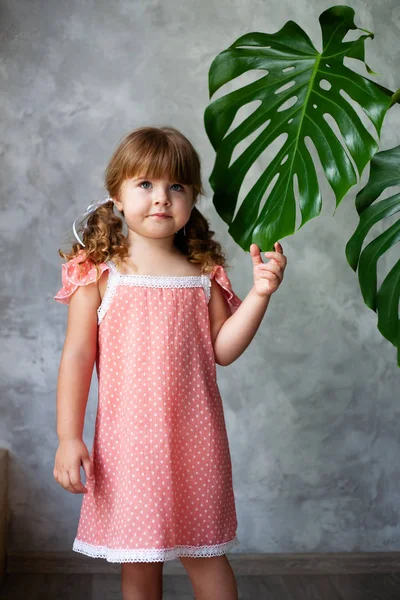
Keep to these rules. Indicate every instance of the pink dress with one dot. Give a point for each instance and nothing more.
(162, 484)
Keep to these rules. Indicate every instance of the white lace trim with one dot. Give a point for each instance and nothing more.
(111, 286)
(159, 280)
(207, 287)
(120, 555)
(116, 278)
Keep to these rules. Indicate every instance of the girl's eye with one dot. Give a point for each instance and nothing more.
(149, 182)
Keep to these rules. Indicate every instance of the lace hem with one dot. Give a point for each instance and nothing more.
(120, 555)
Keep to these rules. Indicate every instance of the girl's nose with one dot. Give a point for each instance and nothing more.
(163, 198)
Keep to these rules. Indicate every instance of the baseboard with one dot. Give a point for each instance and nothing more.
(243, 564)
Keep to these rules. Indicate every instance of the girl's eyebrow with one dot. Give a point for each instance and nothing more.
(149, 178)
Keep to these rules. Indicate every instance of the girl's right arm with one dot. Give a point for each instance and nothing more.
(73, 385)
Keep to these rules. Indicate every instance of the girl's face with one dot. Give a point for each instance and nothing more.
(142, 197)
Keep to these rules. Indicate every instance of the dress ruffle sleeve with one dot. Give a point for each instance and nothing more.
(73, 275)
(220, 276)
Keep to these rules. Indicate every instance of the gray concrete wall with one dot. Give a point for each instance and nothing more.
(312, 407)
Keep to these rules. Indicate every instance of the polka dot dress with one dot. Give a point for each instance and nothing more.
(162, 484)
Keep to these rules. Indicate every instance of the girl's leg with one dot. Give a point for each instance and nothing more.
(142, 581)
(212, 578)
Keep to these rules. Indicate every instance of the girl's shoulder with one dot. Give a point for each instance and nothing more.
(219, 275)
(76, 272)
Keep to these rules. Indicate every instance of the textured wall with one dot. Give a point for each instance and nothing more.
(312, 406)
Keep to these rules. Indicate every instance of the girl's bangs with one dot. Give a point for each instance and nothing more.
(161, 163)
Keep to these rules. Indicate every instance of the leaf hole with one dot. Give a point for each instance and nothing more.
(325, 84)
(288, 104)
(290, 120)
(326, 191)
(240, 82)
(285, 159)
(369, 126)
(352, 35)
(335, 128)
(257, 169)
(287, 69)
(315, 105)
(296, 193)
(287, 86)
(247, 141)
(267, 192)
(244, 113)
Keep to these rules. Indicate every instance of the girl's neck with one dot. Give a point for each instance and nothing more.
(171, 264)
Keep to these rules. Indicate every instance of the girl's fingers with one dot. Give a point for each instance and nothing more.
(271, 276)
(272, 267)
(269, 266)
(277, 256)
(255, 254)
(75, 479)
(64, 481)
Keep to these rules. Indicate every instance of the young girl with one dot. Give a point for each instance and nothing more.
(155, 311)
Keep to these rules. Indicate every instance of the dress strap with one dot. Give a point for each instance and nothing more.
(112, 284)
(112, 267)
(206, 282)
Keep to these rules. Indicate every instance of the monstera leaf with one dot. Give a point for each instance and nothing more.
(384, 173)
(313, 85)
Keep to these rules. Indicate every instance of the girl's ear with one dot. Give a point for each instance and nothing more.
(117, 203)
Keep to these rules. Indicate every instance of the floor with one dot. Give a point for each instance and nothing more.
(24, 586)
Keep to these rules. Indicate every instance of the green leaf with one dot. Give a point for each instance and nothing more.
(290, 48)
(384, 173)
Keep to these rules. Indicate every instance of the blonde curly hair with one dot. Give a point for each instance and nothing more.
(154, 152)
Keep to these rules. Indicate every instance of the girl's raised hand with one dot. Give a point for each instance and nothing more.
(268, 276)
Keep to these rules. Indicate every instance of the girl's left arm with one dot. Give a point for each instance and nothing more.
(239, 329)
